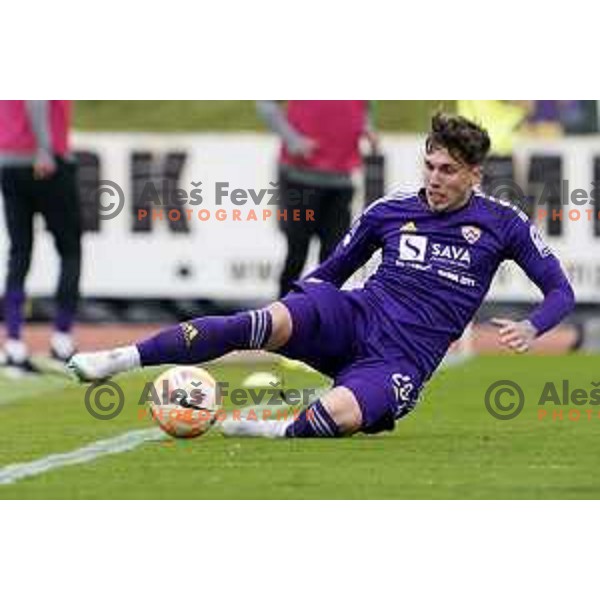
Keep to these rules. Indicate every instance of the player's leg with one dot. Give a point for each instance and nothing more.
(385, 391)
(192, 342)
(336, 414)
(294, 196)
(18, 212)
(315, 325)
(370, 396)
(60, 206)
(334, 219)
(297, 237)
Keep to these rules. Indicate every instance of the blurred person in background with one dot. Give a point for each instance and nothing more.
(579, 116)
(319, 152)
(552, 118)
(38, 175)
(544, 119)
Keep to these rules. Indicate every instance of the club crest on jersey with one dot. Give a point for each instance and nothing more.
(471, 233)
(410, 226)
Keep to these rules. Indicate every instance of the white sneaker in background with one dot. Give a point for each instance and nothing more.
(16, 351)
(17, 362)
(62, 346)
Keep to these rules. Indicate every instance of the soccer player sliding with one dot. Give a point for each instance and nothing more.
(441, 247)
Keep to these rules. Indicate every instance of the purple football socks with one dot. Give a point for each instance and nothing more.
(13, 313)
(206, 338)
(313, 422)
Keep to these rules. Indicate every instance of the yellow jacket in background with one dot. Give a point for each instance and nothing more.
(502, 120)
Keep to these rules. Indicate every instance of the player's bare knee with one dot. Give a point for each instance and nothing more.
(344, 409)
(281, 326)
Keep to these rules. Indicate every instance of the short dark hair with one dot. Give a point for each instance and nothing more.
(464, 140)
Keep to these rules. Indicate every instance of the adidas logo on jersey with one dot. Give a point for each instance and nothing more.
(189, 333)
(410, 226)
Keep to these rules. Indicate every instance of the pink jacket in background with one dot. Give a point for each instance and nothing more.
(336, 127)
(16, 135)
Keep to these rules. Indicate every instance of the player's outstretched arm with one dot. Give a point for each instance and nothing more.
(527, 248)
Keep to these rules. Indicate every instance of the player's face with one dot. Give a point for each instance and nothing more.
(448, 181)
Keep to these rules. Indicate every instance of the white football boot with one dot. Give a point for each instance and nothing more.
(97, 366)
(242, 427)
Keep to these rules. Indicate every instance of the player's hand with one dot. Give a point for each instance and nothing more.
(515, 335)
(303, 147)
(44, 165)
(373, 140)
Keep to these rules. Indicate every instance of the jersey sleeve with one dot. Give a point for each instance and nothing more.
(355, 249)
(528, 249)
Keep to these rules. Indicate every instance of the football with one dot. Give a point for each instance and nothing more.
(184, 402)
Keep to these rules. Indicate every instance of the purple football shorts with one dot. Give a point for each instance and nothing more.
(329, 332)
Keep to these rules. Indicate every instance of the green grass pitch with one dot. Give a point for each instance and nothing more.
(450, 447)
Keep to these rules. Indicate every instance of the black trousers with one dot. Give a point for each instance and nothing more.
(56, 198)
(332, 213)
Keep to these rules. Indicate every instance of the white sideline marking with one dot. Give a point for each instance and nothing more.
(115, 445)
(34, 393)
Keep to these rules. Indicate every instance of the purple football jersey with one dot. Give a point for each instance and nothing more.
(436, 268)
